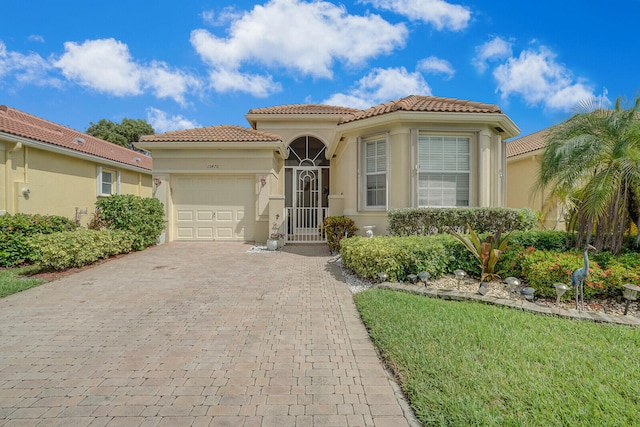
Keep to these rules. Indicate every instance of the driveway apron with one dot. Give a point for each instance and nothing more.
(194, 334)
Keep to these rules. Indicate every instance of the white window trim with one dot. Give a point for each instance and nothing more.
(115, 173)
(416, 133)
(362, 175)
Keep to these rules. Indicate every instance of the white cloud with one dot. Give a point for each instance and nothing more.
(163, 122)
(233, 81)
(540, 80)
(227, 15)
(26, 69)
(106, 65)
(36, 38)
(381, 85)
(439, 13)
(493, 50)
(434, 65)
(306, 38)
(166, 83)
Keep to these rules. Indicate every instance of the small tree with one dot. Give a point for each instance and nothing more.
(124, 133)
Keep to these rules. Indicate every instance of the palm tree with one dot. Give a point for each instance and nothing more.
(592, 161)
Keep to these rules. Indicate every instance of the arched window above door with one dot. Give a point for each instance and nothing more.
(307, 151)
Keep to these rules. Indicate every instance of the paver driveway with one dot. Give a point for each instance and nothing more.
(193, 334)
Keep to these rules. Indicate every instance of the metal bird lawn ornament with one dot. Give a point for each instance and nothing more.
(578, 277)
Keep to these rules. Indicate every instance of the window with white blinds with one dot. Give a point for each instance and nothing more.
(375, 171)
(444, 169)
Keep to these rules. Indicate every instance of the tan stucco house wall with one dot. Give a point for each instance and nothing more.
(49, 169)
(523, 164)
(304, 162)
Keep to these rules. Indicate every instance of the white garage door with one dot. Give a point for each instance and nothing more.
(213, 208)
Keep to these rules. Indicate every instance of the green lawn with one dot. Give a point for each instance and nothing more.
(465, 363)
(11, 280)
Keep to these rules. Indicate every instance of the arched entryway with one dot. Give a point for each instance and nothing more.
(306, 190)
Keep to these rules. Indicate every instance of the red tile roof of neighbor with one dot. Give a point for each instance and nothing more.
(25, 125)
(527, 144)
(223, 133)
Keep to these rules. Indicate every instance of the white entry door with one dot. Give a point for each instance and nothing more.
(213, 207)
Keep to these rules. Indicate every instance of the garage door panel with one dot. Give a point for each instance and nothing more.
(213, 208)
(184, 215)
(225, 215)
(205, 215)
(205, 232)
(184, 232)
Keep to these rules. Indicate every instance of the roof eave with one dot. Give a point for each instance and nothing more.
(150, 146)
(254, 118)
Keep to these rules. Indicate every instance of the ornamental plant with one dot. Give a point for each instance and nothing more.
(337, 228)
(486, 252)
(544, 268)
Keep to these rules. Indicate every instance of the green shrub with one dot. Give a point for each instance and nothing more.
(141, 216)
(541, 269)
(15, 231)
(66, 249)
(425, 221)
(547, 240)
(337, 228)
(397, 256)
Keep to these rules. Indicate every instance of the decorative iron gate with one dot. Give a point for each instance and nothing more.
(307, 188)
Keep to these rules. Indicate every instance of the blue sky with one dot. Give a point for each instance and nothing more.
(203, 63)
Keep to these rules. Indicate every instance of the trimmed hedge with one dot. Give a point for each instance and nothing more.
(142, 216)
(15, 231)
(67, 249)
(397, 256)
(427, 221)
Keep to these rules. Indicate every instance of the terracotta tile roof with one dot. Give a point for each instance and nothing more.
(223, 133)
(527, 144)
(304, 109)
(424, 104)
(25, 125)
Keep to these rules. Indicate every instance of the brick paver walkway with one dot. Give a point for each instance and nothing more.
(193, 334)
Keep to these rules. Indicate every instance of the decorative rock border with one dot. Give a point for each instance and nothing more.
(532, 307)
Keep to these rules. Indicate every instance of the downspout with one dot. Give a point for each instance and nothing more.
(8, 191)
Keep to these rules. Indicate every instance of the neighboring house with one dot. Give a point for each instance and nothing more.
(297, 164)
(50, 169)
(523, 164)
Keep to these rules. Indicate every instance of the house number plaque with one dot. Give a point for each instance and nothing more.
(212, 166)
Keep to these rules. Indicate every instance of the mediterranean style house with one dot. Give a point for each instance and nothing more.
(523, 163)
(297, 164)
(49, 169)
